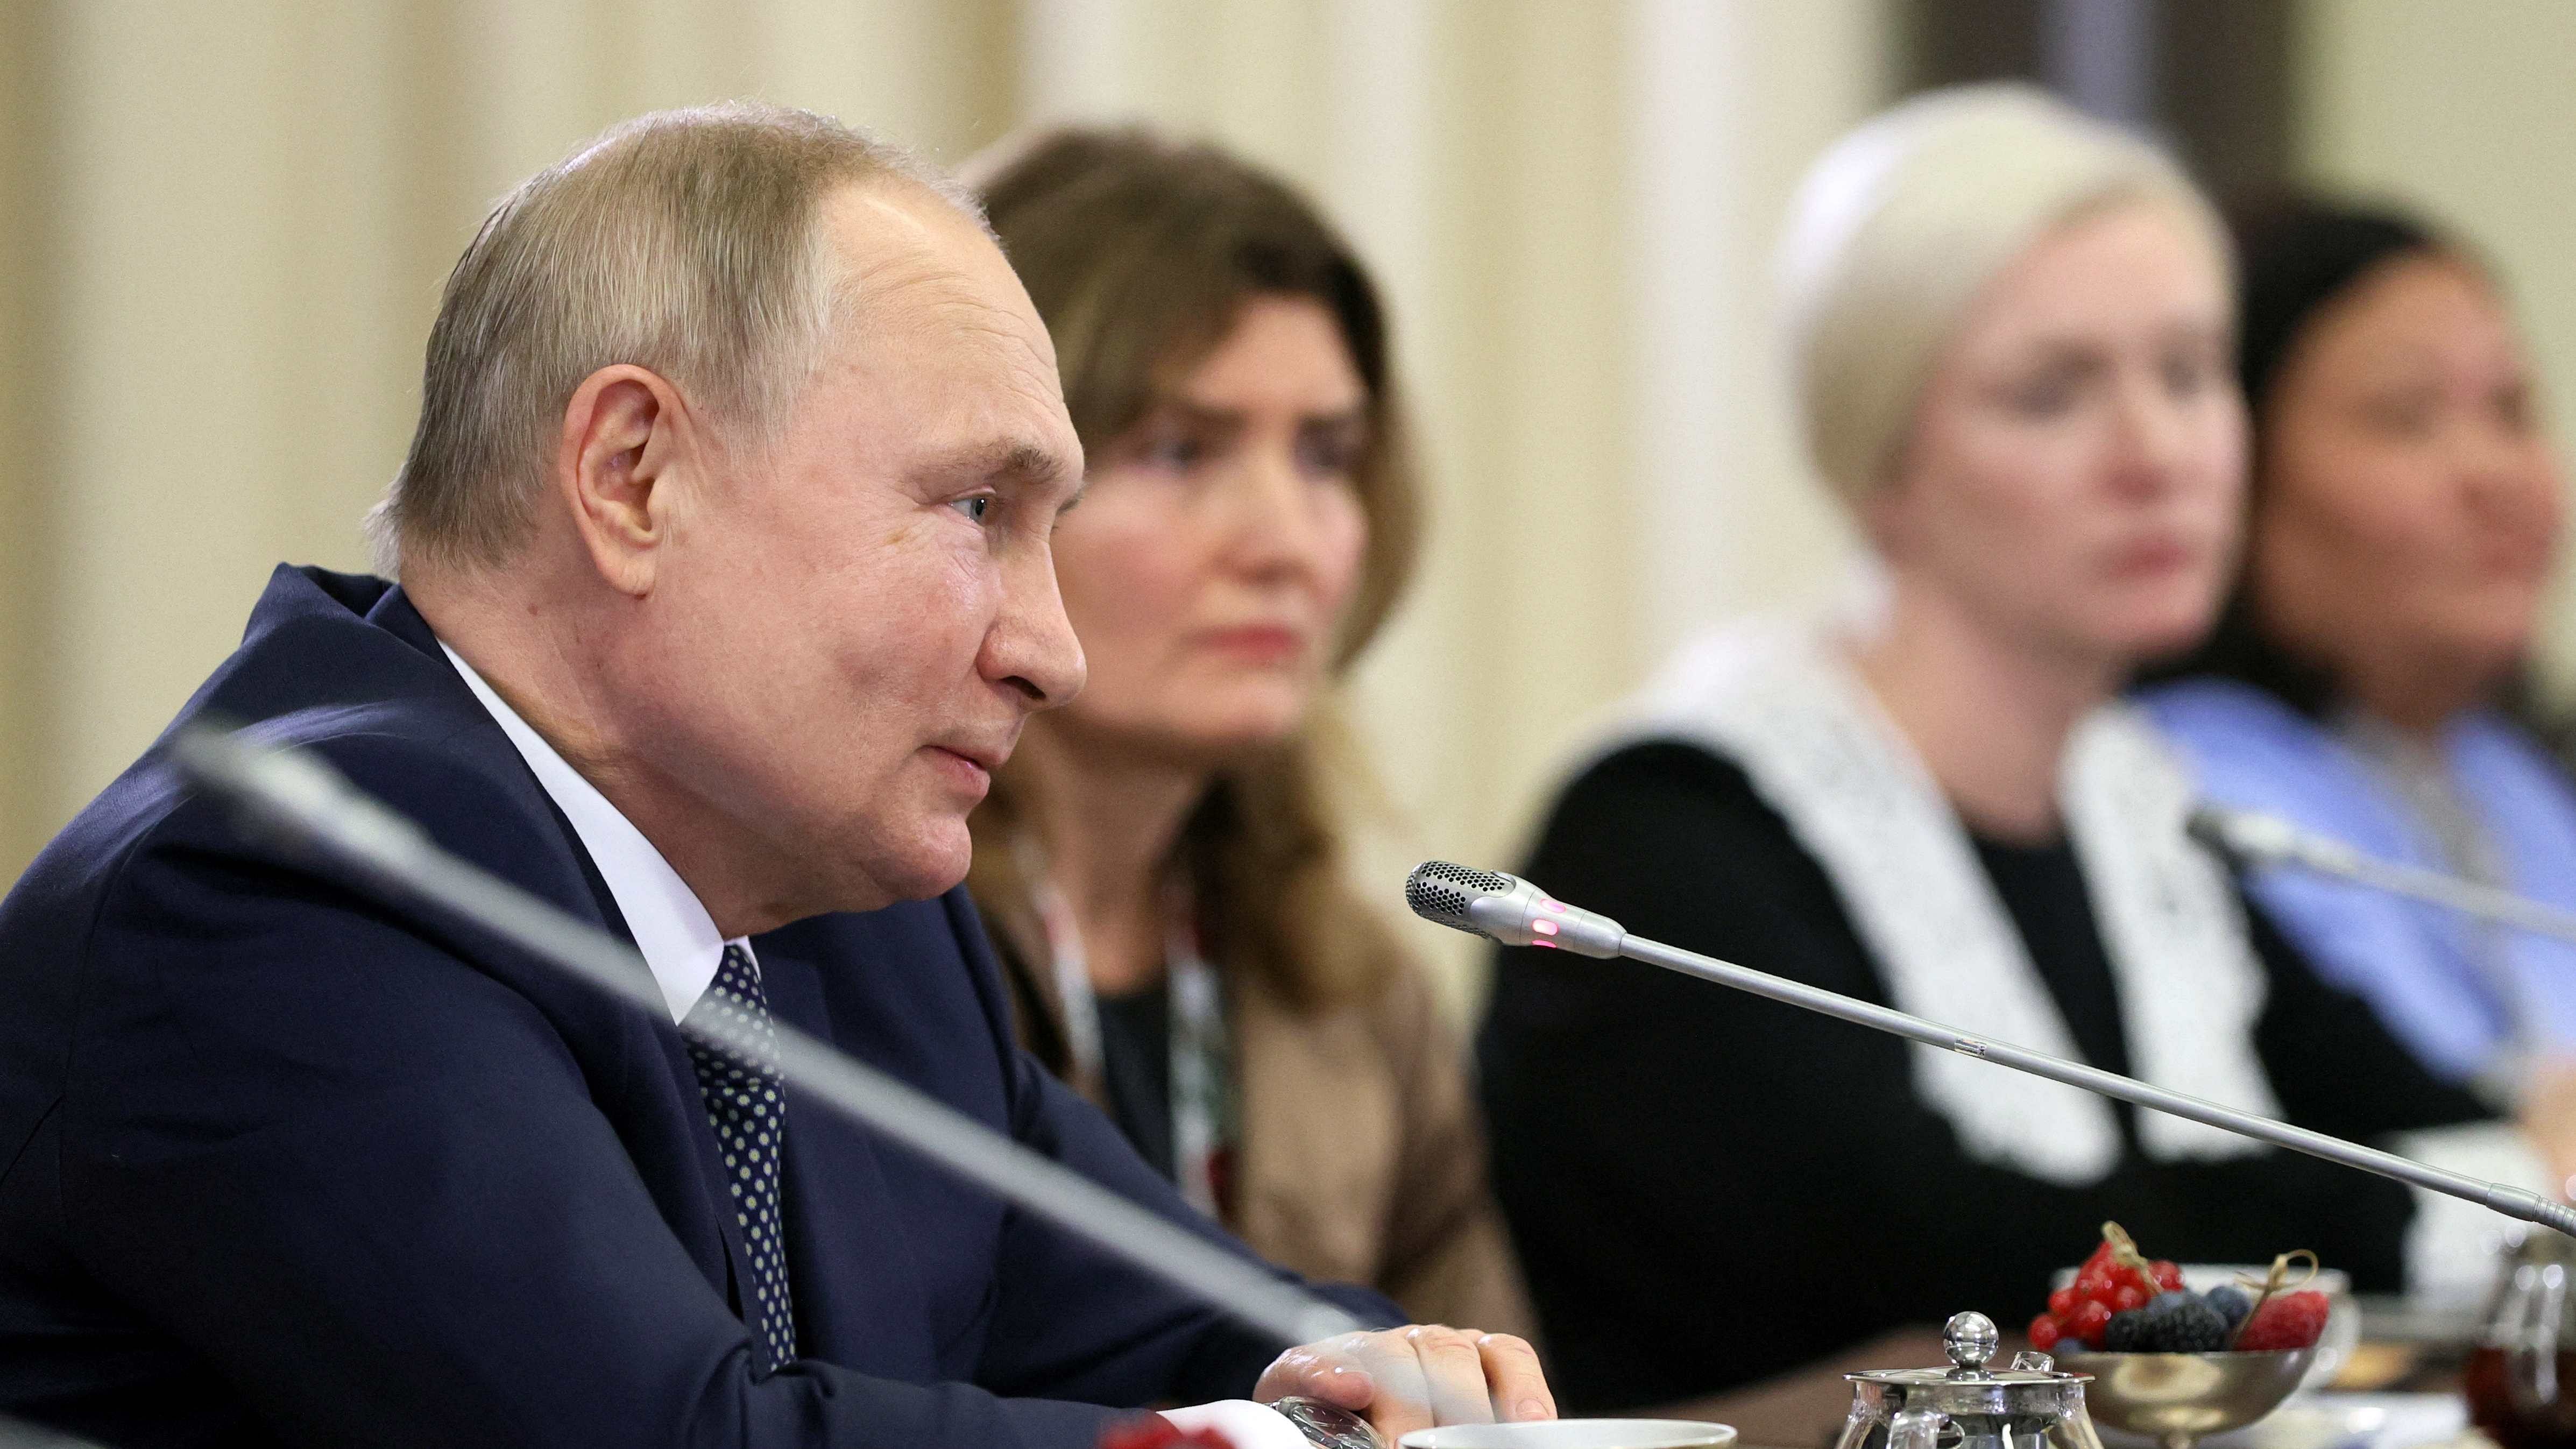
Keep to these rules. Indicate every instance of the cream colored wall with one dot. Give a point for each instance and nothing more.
(2468, 113)
(25, 494)
(241, 219)
(241, 215)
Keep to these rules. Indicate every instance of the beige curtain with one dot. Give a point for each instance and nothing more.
(2468, 113)
(230, 222)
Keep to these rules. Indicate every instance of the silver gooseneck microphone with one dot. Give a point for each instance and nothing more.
(1508, 909)
(2256, 838)
(292, 796)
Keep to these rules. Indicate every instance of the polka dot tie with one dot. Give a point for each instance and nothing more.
(740, 1084)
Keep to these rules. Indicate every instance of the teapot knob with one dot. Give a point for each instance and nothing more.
(1971, 1340)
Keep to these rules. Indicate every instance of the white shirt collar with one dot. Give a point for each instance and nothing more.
(671, 926)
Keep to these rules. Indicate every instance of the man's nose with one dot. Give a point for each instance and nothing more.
(1032, 646)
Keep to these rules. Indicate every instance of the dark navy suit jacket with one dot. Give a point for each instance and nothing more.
(283, 1163)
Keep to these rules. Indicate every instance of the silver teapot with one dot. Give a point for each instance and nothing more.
(1966, 1406)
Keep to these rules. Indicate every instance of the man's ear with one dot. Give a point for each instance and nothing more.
(624, 431)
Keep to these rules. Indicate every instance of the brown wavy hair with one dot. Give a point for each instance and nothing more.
(1140, 253)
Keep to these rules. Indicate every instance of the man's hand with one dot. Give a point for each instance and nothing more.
(2548, 1119)
(1405, 1379)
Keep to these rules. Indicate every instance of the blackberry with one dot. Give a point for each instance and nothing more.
(2232, 1304)
(2127, 1332)
(2194, 1327)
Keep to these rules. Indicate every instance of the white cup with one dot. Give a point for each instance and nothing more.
(1575, 1434)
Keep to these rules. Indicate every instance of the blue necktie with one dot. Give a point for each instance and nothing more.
(741, 1088)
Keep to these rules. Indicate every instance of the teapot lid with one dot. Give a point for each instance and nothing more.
(1971, 1340)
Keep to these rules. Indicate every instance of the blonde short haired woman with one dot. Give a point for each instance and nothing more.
(2010, 330)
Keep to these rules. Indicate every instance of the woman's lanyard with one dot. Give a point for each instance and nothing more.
(1202, 1101)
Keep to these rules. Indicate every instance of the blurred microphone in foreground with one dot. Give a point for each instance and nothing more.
(305, 805)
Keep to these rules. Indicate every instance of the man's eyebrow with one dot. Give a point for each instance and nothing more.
(1002, 460)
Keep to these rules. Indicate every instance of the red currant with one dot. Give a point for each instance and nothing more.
(2093, 1285)
(2088, 1322)
(2126, 1297)
(2044, 1333)
(2168, 1275)
(2062, 1302)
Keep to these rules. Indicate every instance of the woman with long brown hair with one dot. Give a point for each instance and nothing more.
(1161, 859)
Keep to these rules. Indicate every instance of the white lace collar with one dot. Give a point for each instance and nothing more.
(1780, 703)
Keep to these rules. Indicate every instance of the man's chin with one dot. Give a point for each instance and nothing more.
(934, 866)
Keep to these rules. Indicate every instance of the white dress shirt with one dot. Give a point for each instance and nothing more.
(680, 943)
(671, 926)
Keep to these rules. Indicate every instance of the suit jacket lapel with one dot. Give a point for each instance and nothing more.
(728, 1271)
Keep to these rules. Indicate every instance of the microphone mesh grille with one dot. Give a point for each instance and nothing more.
(1439, 891)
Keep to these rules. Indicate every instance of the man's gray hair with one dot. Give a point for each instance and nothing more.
(685, 242)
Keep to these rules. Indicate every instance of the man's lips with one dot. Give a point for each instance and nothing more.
(968, 767)
(982, 757)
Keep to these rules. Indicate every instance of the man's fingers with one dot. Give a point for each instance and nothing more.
(1415, 1378)
(1515, 1380)
(1455, 1372)
(1324, 1371)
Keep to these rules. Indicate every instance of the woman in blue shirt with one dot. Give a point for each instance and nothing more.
(2364, 683)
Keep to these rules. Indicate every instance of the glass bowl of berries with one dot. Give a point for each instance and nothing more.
(2173, 1363)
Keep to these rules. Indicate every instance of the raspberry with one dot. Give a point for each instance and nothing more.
(2293, 1320)
(1156, 1432)
(1151, 1432)
(2044, 1333)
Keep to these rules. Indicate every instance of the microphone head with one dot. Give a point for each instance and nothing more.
(2207, 827)
(1507, 909)
(1439, 892)
(2255, 838)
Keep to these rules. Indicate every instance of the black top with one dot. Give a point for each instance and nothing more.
(1707, 1187)
(1136, 1064)
(2043, 890)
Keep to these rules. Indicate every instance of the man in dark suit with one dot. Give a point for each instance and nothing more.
(726, 585)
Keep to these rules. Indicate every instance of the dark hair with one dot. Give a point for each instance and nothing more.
(1140, 253)
(2296, 257)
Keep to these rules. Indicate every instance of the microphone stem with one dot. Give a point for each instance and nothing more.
(2511, 1201)
(2470, 899)
(292, 795)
